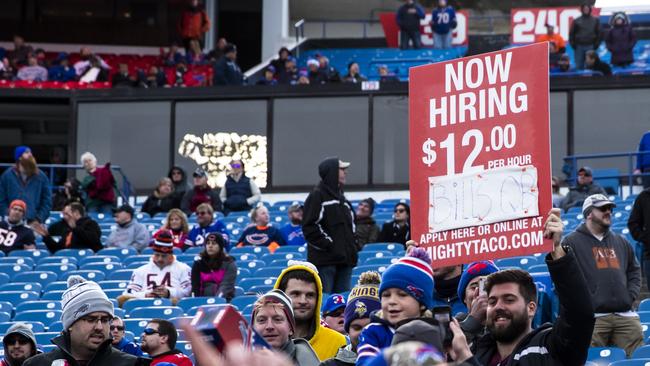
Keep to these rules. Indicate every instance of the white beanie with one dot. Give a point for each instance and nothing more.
(82, 298)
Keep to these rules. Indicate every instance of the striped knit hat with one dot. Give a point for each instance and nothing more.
(163, 242)
(278, 297)
(412, 274)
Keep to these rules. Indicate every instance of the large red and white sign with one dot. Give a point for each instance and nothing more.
(480, 168)
(527, 23)
(391, 30)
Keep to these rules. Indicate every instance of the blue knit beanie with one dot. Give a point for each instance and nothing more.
(412, 274)
(19, 151)
(363, 299)
(475, 269)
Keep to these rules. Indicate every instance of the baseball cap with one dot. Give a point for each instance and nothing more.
(343, 164)
(587, 170)
(596, 200)
(333, 303)
(199, 173)
(124, 208)
(295, 207)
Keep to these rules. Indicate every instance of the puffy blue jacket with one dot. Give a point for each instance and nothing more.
(373, 338)
(35, 192)
(443, 20)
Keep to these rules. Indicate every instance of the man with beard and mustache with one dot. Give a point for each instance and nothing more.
(27, 183)
(19, 343)
(85, 340)
(14, 234)
(445, 290)
(159, 341)
(608, 260)
(512, 302)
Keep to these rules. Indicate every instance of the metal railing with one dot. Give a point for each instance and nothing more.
(125, 191)
(572, 161)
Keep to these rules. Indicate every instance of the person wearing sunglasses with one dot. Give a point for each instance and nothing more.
(159, 341)
(332, 312)
(204, 226)
(19, 344)
(119, 340)
(86, 314)
(179, 180)
(240, 193)
(399, 229)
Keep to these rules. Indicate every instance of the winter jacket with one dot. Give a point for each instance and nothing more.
(210, 282)
(35, 192)
(15, 237)
(85, 235)
(643, 161)
(585, 31)
(106, 355)
(196, 196)
(300, 352)
(174, 357)
(323, 340)
(393, 233)
(344, 357)
(196, 236)
(227, 72)
(100, 186)
(156, 204)
(373, 338)
(443, 20)
(132, 235)
(328, 221)
(265, 236)
(639, 221)
(408, 21)
(194, 23)
(292, 234)
(564, 343)
(366, 230)
(620, 41)
(579, 193)
(611, 267)
(602, 67)
(179, 187)
(239, 194)
(128, 347)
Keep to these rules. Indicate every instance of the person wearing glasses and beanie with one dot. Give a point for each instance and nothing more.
(399, 229)
(240, 193)
(85, 340)
(19, 344)
(159, 341)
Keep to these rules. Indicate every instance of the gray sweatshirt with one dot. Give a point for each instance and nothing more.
(610, 267)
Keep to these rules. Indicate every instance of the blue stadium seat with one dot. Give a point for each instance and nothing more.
(633, 362)
(56, 259)
(6, 306)
(28, 261)
(87, 274)
(367, 254)
(139, 303)
(268, 258)
(535, 268)
(34, 326)
(391, 247)
(356, 271)
(194, 250)
(135, 265)
(641, 352)
(56, 326)
(121, 253)
(99, 259)
(644, 305)
(259, 289)
(243, 257)
(39, 305)
(76, 253)
(135, 325)
(249, 250)
(4, 278)
(269, 272)
(4, 316)
(150, 312)
(136, 258)
(383, 261)
(149, 251)
(239, 291)
(56, 286)
(189, 302)
(18, 297)
(605, 355)
(34, 254)
(645, 327)
(45, 337)
(121, 274)
(44, 316)
(523, 262)
(253, 265)
(644, 316)
(280, 263)
(22, 286)
(61, 270)
(292, 249)
(185, 347)
(113, 293)
(243, 272)
(12, 269)
(106, 268)
(188, 258)
(194, 309)
(180, 320)
(52, 295)
(113, 285)
(241, 301)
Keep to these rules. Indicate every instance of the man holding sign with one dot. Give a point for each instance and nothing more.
(479, 136)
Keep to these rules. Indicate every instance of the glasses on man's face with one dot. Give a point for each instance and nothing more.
(150, 331)
(400, 210)
(114, 327)
(336, 313)
(12, 340)
(95, 319)
(605, 209)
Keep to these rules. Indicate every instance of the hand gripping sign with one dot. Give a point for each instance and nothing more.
(480, 174)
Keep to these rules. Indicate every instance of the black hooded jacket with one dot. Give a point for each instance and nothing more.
(328, 221)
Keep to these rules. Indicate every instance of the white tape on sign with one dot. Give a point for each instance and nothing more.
(472, 199)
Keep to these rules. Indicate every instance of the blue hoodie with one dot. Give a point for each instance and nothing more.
(35, 192)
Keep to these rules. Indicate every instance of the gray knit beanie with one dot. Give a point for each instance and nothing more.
(82, 298)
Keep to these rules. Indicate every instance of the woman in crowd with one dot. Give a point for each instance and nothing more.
(162, 199)
(99, 184)
(260, 233)
(215, 273)
(179, 179)
(353, 75)
(399, 229)
(176, 223)
(240, 193)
